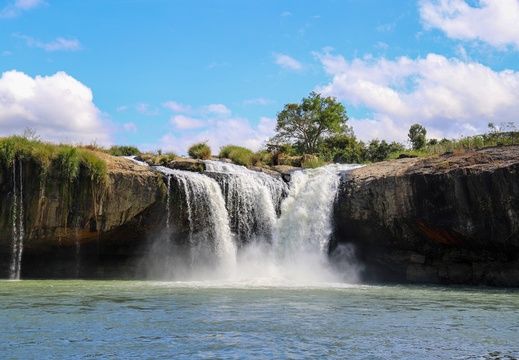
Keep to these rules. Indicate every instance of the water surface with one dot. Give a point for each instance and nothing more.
(129, 319)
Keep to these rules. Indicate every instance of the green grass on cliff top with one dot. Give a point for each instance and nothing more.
(69, 159)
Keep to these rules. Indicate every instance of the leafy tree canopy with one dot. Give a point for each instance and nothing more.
(307, 124)
(417, 136)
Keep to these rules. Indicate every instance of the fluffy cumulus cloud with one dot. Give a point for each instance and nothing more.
(494, 21)
(58, 107)
(449, 97)
(214, 123)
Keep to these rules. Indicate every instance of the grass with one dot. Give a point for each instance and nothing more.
(200, 151)
(68, 159)
(124, 150)
(312, 163)
(239, 155)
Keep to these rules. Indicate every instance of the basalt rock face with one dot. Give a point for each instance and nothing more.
(80, 227)
(453, 219)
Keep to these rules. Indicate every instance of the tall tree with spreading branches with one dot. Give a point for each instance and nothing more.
(307, 124)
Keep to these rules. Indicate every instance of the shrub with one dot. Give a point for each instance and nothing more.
(125, 150)
(312, 162)
(238, 155)
(200, 151)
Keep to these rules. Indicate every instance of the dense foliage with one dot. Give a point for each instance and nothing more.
(307, 124)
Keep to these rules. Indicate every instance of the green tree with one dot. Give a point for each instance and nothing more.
(306, 124)
(417, 136)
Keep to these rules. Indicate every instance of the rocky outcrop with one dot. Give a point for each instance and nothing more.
(107, 227)
(451, 219)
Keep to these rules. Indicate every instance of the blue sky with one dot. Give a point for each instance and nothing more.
(164, 74)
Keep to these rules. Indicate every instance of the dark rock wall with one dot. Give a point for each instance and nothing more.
(110, 223)
(435, 222)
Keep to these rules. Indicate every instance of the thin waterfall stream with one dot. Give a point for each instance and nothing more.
(18, 221)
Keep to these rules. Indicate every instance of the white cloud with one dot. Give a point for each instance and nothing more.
(172, 105)
(216, 109)
(58, 107)
(258, 101)
(144, 109)
(59, 44)
(494, 22)
(448, 96)
(287, 62)
(15, 9)
(130, 127)
(185, 122)
(215, 123)
(219, 132)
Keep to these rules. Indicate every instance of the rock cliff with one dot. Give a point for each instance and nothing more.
(105, 228)
(452, 219)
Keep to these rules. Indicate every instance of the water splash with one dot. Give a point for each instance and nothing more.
(252, 199)
(283, 231)
(305, 224)
(299, 250)
(210, 236)
(18, 217)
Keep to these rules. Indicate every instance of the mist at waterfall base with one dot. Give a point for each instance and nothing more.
(252, 228)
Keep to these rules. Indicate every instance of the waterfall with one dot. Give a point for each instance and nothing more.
(168, 206)
(246, 225)
(78, 248)
(18, 229)
(210, 234)
(252, 199)
(305, 224)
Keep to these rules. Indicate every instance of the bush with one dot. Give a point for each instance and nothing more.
(200, 151)
(238, 155)
(311, 162)
(117, 150)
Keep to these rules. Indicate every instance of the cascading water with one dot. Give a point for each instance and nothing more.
(18, 228)
(282, 230)
(252, 199)
(210, 235)
(305, 222)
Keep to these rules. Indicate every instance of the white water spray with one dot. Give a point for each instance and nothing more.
(284, 230)
(210, 234)
(298, 253)
(251, 199)
(18, 228)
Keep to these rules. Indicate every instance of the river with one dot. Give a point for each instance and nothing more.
(254, 319)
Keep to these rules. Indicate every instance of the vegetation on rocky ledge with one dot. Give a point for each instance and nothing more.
(69, 159)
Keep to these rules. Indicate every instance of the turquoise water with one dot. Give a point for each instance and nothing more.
(154, 320)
